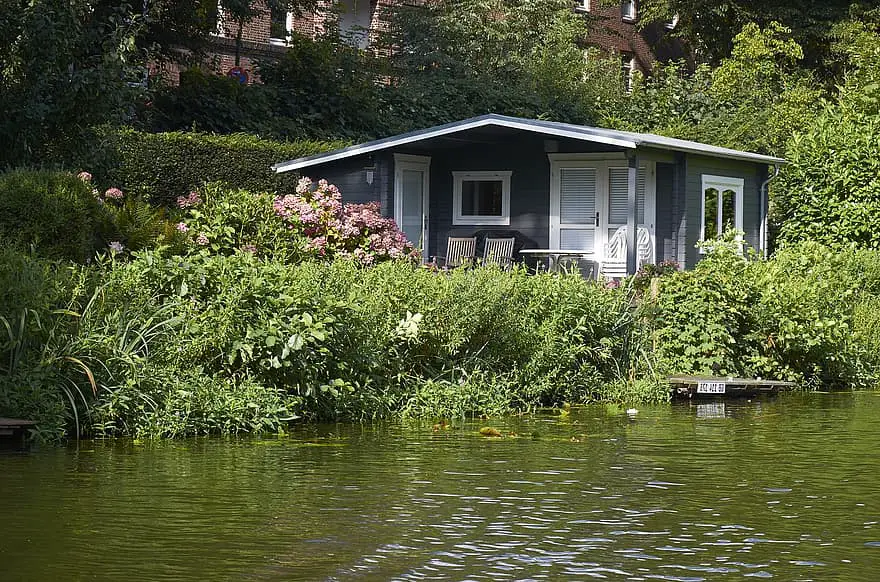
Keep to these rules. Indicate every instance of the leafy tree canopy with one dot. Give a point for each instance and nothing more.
(710, 26)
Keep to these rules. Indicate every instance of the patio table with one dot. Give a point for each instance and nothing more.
(555, 257)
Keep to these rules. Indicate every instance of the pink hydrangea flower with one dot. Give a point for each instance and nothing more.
(182, 227)
(190, 200)
(202, 240)
(84, 176)
(337, 230)
(113, 194)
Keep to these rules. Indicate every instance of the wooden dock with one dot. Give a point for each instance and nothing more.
(14, 427)
(713, 386)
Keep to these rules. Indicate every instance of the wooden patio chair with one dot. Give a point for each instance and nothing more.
(459, 251)
(499, 251)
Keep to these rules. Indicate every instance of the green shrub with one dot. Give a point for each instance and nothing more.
(56, 213)
(830, 190)
(205, 101)
(162, 166)
(229, 220)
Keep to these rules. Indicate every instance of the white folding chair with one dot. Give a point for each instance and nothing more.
(613, 264)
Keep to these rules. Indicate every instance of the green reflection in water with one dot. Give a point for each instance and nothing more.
(715, 491)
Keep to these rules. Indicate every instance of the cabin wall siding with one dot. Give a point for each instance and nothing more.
(697, 166)
(529, 191)
(350, 177)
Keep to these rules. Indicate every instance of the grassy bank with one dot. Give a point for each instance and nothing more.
(176, 345)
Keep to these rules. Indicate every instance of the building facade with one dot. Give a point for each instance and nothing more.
(615, 29)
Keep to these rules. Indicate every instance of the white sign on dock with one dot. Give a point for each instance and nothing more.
(711, 388)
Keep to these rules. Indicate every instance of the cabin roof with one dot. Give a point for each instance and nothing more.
(617, 139)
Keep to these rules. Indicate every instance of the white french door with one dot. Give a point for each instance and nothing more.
(411, 179)
(589, 202)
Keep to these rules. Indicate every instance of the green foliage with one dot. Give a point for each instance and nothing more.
(454, 60)
(207, 102)
(56, 213)
(163, 166)
(63, 66)
(233, 220)
(754, 100)
(702, 316)
(788, 318)
(830, 189)
(710, 26)
(324, 87)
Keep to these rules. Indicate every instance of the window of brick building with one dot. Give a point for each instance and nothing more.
(280, 25)
(583, 5)
(628, 69)
(628, 9)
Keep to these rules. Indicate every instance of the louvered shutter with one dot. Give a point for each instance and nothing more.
(618, 186)
(577, 208)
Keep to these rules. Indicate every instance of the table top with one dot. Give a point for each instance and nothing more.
(557, 252)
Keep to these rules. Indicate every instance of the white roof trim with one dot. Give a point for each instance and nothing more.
(621, 139)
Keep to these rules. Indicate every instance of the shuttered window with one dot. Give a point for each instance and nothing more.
(618, 192)
(577, 202)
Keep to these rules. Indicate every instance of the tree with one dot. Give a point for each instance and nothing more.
(754, 100)
(457, 58)
(65, 65)
(710, 26)
(830, 190)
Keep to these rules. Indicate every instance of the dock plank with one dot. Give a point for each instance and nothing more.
(691, 386)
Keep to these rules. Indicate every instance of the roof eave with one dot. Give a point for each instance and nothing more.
(484, 121)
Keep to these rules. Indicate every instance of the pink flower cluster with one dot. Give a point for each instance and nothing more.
(334, 229)
(113, 194)
(84, 176)
(190, 200)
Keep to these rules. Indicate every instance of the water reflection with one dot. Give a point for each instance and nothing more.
(703, 491)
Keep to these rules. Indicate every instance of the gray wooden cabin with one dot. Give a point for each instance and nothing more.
(552, 186)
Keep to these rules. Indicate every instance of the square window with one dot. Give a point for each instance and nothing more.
(481, 198)
(628, 9)
(582, 5)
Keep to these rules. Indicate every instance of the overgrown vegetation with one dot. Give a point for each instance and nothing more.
(244, 325)
(141, 301)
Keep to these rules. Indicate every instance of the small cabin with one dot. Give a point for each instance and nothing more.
(554, 186)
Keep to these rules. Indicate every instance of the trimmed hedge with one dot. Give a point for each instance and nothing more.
(163, 166)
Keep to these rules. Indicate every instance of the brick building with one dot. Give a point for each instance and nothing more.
(614, 29)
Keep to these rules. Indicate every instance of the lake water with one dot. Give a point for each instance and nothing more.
(784, 488)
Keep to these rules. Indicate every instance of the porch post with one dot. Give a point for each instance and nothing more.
(631, 214)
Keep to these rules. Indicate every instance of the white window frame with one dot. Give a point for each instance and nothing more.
(483, 176)
(583, 6)
(630, 67)
(672, 22)
(721, 183)
(633, 11)
(288, 29)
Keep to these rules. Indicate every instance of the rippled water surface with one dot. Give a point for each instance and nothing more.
(785, 489)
